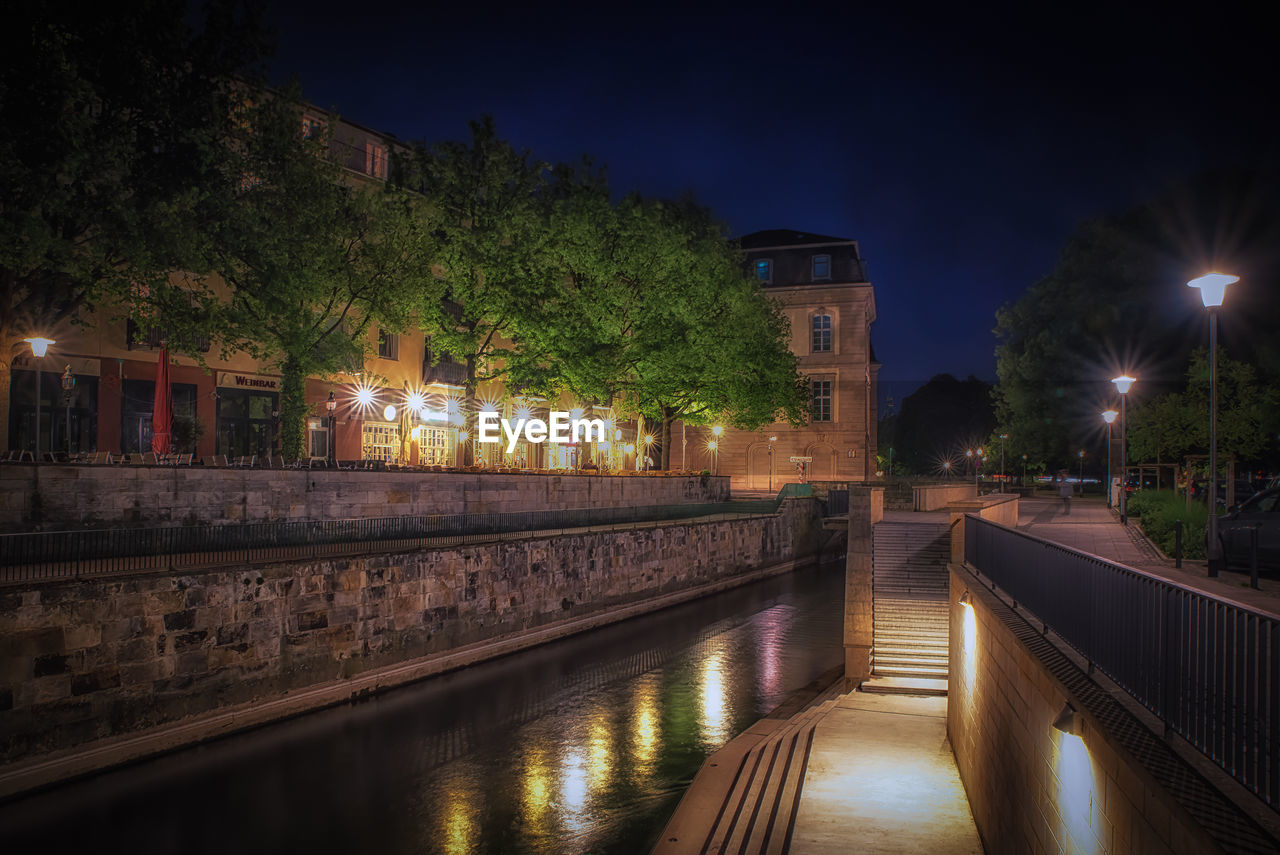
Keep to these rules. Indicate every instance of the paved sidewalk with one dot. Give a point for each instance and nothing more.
(1094, 528)
(882, 779)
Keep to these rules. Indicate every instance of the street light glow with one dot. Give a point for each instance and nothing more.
(717, 429)
(1109, 416)
(1213, 288)
(39, 345)
(1123, 382)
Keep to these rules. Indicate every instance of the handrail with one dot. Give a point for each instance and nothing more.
(1207, 666)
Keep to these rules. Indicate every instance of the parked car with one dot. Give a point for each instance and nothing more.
(1262, 512)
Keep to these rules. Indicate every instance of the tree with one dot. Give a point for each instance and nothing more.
(1176, 424)
(488, 214)
(112, 125)
(939, 422)
(662, 319)
(1117, 302)
(312, 262)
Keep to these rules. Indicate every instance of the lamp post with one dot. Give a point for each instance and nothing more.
(1213, 288)
(772, 440)
(39, 347)
(1109, 416)
(68, 384)
(946, 464)
(712, 446)
(331, 407)
(1082, 473)
(1024, 470)
(1003, 437)
(1123, 382)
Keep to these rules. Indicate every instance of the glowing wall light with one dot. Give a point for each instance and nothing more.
(389, 412)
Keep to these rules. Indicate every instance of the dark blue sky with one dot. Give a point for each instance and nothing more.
(959, 146)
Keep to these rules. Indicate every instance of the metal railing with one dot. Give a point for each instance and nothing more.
(72, 554)
(1207, 666)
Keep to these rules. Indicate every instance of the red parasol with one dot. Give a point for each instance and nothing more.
(162, 414)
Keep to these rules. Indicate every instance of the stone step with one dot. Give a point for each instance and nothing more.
(904, 686)
(886, 641)
(909, 671)
(933, 654)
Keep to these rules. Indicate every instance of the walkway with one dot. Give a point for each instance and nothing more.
(882, 779)
(1094, 528)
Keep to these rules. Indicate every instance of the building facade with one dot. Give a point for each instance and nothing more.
(822, 285)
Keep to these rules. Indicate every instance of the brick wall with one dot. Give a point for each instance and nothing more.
(81, 661)
(97, 496)
(1034, 789)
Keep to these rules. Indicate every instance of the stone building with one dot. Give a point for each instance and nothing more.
(822, 285)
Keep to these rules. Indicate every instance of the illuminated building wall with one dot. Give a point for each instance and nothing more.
(822, 285)
(1033, 787)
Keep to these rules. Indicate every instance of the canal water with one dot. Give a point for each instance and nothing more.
(583, 745)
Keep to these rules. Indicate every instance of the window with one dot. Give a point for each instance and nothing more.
(822, 267)
(137, 405)
(246, 422)
(764, 270)
(387, 345)
(821, 400)
(317, 438)
(821, 333)
(375, 159)
(312, 127)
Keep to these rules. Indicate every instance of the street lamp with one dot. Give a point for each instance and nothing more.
(1123, 382)
(1024, 470)
(772, 440)
(39, 347)
(1109, 416)
(1003, 437)
(331, 407)
(946, 464)
(1082, 473)
(1213, 289)
(712, 446)
(68, 384)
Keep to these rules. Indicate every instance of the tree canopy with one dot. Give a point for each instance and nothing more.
(111, 130)
(1117, 302)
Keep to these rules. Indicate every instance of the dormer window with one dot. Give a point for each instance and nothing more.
(822, 267)
(764, 270)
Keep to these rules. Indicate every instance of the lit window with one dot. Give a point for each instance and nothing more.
(822, 267)
(764, 270)
(386, 344)
(821, 333)
(375, 159)
(821, 400)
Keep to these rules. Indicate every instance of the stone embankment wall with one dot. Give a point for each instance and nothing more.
(81, 661)
(99, 496)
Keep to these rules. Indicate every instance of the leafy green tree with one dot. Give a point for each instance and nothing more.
(488, 213)
(662, 320)
(112, 123)
(1176, 424)
(1117, 302)
(313, 261)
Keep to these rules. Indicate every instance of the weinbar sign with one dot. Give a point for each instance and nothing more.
(236, 380)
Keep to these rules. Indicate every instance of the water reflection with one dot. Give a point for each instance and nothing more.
(715, 708)
(585, 745)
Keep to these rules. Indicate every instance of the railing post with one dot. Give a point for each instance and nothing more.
(1177, 543)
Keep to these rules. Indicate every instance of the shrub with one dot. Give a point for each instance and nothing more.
(1160, 511)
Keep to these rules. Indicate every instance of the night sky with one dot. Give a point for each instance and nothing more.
(959, 146)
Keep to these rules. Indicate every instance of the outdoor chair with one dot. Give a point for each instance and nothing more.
(150, 458)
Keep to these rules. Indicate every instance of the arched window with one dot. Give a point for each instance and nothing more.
(821, 333)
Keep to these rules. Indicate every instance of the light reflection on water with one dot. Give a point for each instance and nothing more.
(581, 746)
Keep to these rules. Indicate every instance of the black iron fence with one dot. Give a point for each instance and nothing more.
(60, 554)
(1208, 667)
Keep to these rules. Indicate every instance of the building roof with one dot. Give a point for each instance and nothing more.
(786, 237)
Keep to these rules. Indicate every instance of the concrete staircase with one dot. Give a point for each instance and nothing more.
(745, 798)
(909, 582)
